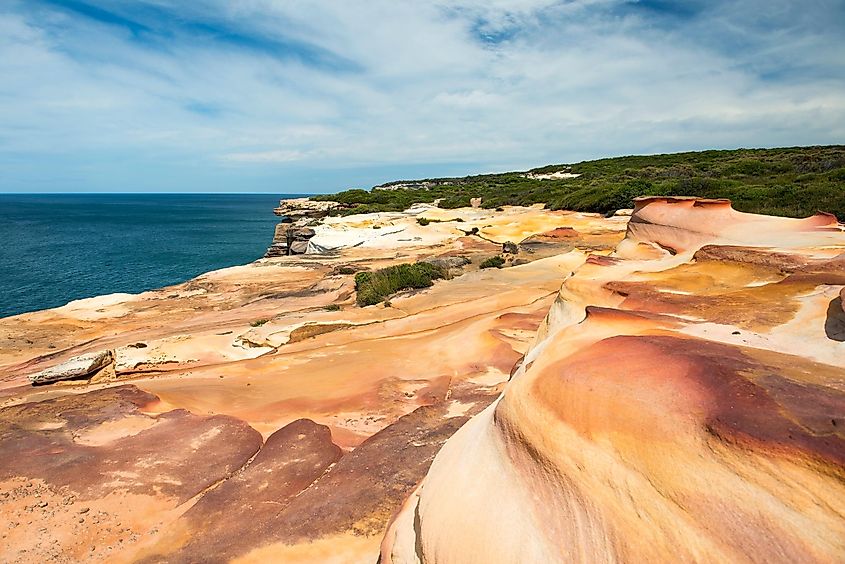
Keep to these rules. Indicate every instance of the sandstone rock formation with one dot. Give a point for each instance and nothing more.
(259, 414)
(296, 208)
(673, 395)
(684, 401)
(556, 175)
(82, 366)
(290, 239)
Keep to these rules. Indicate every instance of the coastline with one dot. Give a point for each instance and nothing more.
(237, 363)
(63, 247)
(199, 347)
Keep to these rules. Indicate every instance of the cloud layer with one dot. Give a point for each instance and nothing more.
(299, 95)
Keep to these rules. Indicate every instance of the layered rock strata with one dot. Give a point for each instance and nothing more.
(256, 413)
(684, 401)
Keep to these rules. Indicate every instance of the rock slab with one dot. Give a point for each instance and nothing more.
(81, 366)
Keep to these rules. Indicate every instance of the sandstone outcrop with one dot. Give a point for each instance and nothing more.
(290, 239)
(556, 175)
(267, 418)
(82, 366)
(664, 389)
(683, 402)
(451, 266)
(296, 208)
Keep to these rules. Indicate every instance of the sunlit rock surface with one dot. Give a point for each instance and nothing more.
(255, 413)
(684, 401)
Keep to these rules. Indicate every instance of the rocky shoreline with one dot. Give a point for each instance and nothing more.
(257, 413)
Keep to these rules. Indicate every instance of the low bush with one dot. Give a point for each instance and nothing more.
(493, 262)
(375, 286)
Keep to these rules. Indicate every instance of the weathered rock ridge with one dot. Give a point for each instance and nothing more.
(256, 413)
(684, 401)
(668, 388)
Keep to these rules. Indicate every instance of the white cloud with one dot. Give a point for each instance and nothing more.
(382, 83)
(265, 157)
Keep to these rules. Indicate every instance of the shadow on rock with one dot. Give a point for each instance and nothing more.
(834, 325)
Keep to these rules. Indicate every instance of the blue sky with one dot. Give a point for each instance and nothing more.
(316, 96)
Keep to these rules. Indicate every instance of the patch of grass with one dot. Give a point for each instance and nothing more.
(375, 286)
(795, 182)
(492, 262)
(332, 307)
(258, 322)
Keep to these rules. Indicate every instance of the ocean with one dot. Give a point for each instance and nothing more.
(55, 248)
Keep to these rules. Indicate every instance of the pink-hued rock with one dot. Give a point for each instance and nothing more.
(683, 403)
(673, 396)
(681, 224)
(342, 407)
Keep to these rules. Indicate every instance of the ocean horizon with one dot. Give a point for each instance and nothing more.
(62, 247)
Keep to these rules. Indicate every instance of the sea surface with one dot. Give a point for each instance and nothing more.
(55, 248)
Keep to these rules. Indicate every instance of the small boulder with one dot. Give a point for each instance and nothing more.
(298, 247)
(303, 234)
(83, 366)
(448, 262)
(451, 267)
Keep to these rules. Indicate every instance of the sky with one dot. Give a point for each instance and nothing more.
(289, 96)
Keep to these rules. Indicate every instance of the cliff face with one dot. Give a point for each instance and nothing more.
(684, 400)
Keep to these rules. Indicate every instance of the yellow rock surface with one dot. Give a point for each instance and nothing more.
(255, 352)
(684, 401)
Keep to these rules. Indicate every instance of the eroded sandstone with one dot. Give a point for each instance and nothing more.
(683, 402)
(324, 416)
(676, 394)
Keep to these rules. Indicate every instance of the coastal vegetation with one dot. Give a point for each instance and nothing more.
(492, 262)
(793, 182)
(375, 286)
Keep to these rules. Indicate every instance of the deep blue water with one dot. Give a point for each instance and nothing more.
(55, 248)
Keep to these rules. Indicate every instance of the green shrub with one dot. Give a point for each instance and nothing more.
(332, 307)
(423, 221)
(374, 286)
(258, 322)
(493, 262)
(746, 167)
